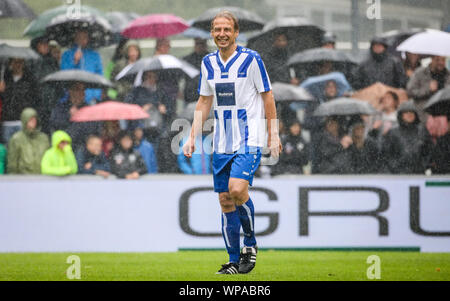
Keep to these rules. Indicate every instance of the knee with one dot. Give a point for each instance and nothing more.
(237, 195)
(226, 202)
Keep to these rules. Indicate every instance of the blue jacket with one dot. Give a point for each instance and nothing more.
(98, 162)
(200, 162)
(147, 152)
(91, 61)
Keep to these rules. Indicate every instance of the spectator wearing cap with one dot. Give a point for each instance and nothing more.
(27, 146)
(380, 67)
(407, 148)
(83, 58)
(328, 40)
(91, 159)
(126, 162)
(59, 160)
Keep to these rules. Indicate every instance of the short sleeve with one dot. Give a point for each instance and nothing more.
(203, 86)
(259, 75)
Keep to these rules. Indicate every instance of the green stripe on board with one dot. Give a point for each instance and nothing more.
(397, 249)
(437, 184)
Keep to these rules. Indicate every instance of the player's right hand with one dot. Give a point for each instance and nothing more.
(189, 148)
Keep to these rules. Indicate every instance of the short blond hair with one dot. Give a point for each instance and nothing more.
(227, 15)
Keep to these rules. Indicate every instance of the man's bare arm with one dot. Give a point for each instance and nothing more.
(201, 113)
(272, 124)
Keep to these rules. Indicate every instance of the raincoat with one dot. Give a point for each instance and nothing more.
(58, 162)
(26, 148)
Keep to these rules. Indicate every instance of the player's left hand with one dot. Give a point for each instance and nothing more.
(275, 146)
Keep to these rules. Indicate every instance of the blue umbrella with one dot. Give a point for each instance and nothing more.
(316, 84)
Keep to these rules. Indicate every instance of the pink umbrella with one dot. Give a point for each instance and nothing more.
(109, 110)
(155, 26)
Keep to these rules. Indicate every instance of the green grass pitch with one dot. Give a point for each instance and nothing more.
(202, 265)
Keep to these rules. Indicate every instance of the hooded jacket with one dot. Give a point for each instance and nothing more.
(26, 147)
(383, 68)
(407, 148)
(124, 162)
(58, 162)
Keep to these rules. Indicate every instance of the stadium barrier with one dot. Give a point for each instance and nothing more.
(172, 212)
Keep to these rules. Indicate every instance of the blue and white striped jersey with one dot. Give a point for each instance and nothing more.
(238, 106)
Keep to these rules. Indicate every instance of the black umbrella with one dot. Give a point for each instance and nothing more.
(344, 106)
(316, 55)
(286, 92)
(248, 21)
(439, 103)
(63, 27)
(157, 63)
(68, 77)
(15, 9)
(301, 34)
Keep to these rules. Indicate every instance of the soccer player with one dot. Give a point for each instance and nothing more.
(235, 80)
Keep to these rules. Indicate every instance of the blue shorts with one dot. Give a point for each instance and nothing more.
(237, 165)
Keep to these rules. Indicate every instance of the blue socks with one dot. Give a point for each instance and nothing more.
(247, 218)
(231, 224)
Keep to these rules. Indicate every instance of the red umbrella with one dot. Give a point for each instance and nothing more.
(155, 26)
(109, 110)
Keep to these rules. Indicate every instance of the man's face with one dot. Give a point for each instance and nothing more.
(138, 134)
(280, 41)
(388, 102)
(437, 63)
(331, 89)
(133, 53)
(82, 38)
(77, 94)
(201, 46)
(408, 117)
(223, 33)
(378, 48)
(32, 123)
(62, 145)
(126, 142)
(164, 46)
(94, 145)
(43, 48)
(17, 65)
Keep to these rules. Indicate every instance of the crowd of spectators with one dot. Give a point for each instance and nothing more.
(400, 139)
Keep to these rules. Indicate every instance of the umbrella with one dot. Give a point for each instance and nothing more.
(91, 80)
(26, 53)
(287, 92)
(301, 34)
(194, 33)
(63, 27)
(37, 27)
(316, 55)
(109, 110)
(375, 92)
(344, 106)
(394, 38)
(120, 20)
(15, 9)
(7, 52)
(155, 26)
(248, 21)
(430, 42)
(160, 62)
(316, 84)
(439, 103)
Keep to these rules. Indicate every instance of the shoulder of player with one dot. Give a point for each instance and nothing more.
(251, 52)
(206, 57)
